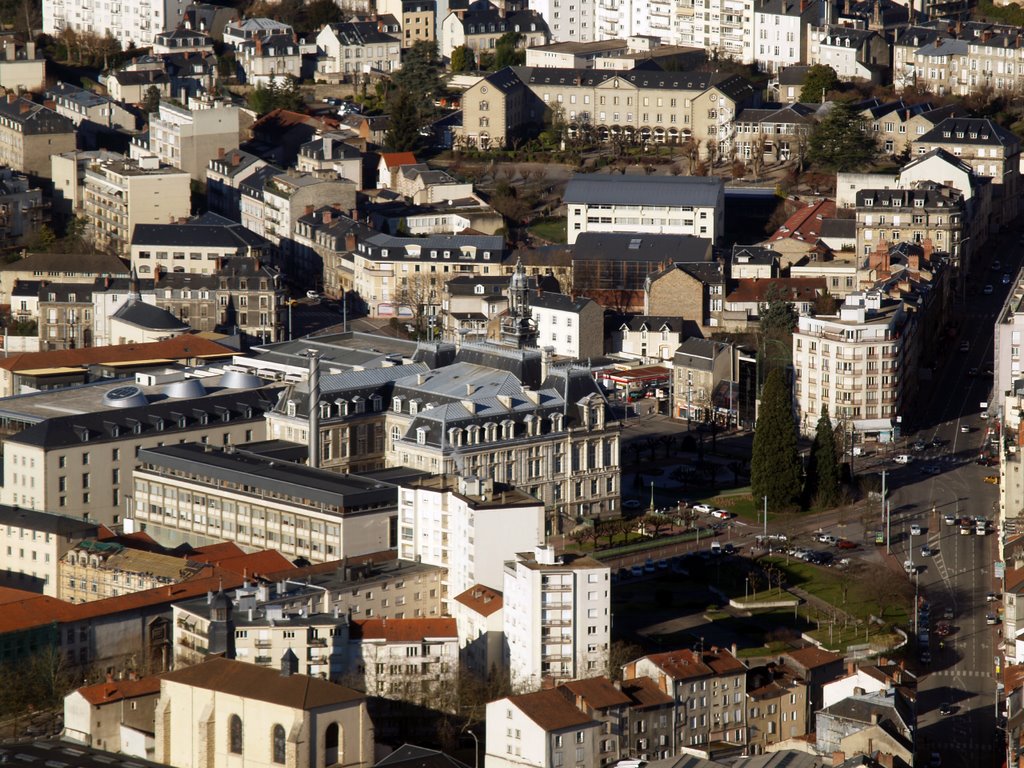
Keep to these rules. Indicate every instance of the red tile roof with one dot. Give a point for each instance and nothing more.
(749, 291)
(284, 118)
(596, 692)
(812, 657)
(177, 348)
(254, 563)
(644, 692)
(107, 693)
(11, 595)
(481, 599)
(214, 552)
(403, 630)
(549, 710)
(805, 223)
(395, 159)
(684, 664)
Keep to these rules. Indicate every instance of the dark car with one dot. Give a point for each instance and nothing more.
(945, 708)
(846, 544)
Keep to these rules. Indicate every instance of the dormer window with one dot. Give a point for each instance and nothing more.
(377, 403)
(421, 435)
(396, 405)
(869, 201)
(290, 408)
(478, 289)
(360, 404)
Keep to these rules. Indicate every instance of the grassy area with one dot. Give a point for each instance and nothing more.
(862, 598)
(552, 230)
(765, 596)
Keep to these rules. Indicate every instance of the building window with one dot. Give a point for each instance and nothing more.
(235, 734)
(279, 751)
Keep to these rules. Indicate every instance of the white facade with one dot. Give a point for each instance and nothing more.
(630, 18)
(467, 530)
(190, 138)
(778, 37)
(518, 737)
(724, 28)
(574, 328)
(850, 362)
(568, 20)
(557, 617)
(132, 24)
(845, 687)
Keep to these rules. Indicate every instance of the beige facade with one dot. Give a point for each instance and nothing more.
(776, 708)
(120, 194)
(95, 570)
(496, 111)
(30, 134)
(21, 69)
(190, 138)
(32, 545)
(926, 212)
(226, 714)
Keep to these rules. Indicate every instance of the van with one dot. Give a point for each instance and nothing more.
(716, 548)
(903, 458)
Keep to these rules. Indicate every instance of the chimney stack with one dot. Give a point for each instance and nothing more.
(220, 153)
(314, 408)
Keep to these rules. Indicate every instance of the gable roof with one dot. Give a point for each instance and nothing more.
(812, 657)
(185, 347)
(644, 692)
(805, 223)
(403, 630)
(685, 664)
(483, 600)
(397, 159)
(97, 263)
(109, 692)
(550, 710)
(597, 692)
(969, 130)
(264, 684)
(785, 288)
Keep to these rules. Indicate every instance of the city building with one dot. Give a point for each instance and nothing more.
(574, 46)
(237, 711)
(572, 327)
(777, 705)
(675, 205)
(991, 151)
(239, 31)
(134, 25)
(330, 152)
(91, 113)
(312, 513)
(557, 614)
(779, 32)
(115, 715)
(119, 194)
(708, 687)
(497, 110)
(540, 730)
(22, 68)
(482, 24)
(224, 176)
(131, 86)
(480, 621)
(270, 60)
(30, 134)
(355, 47)
(853, 53)
(467, 526)
(856, 364)
(204, 245)
(22, 208)
(33, 543)
(190, 139)
(700, 368)
(79, 462)
(925, 212)
(651, 339)
(693, 290)
(182, 40)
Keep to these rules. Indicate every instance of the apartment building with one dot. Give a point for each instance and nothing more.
(22, 68)
(709, 689)
(182, 39)
(270, 60)
(777, 705)
(224, 175)
(570, 24)
(1006, 353)
(30, 134)
(779, 32)
(694, 290)
(132, 24)
(330, 152)
(22, 210)
(468, 526)
(557, 614)
(925, 212)
(671, 205)
(310, 513)
(854, 53)
(699, 367)
(350, 47)
(572, 326)
(858, 363)
(120, 194)
(190, 139)
(650, 340)
(130, 86)
(33, 543)
(116, 716)
(541, 730)
(724, 29)
(90, 112)
(240, 712)
(81, 463)
(991, 150)
(309, 611)
(204, 245)
(496, 110)
(239, 31)
(481, 26)
(333, 237)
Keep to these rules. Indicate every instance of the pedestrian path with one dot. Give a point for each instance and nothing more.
(955, 673)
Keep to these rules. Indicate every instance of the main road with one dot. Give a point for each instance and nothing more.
(957, 579)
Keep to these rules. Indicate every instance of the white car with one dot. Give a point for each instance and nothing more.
(904, 458)
(704, 509)
(915, 530)
(312, 295)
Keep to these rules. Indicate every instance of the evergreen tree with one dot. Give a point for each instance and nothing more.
(404, 134)
(823, 472)
(774, 462)
(821, 79)
(463, 59)
(151, 102)
(841, 141)
(420, 77)
(507, 52)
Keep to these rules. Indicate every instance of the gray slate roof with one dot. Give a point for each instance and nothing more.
(658, 249)
(615, 189)
(970, 130)
(149, 317)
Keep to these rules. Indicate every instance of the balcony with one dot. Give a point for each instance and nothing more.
(318, 642)
(263, 660)
(555, 622)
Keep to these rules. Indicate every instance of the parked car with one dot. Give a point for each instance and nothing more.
(965, 429)
(903, 458)
(991, 618)
(987, 290)
(916, 529)
(949, 519)
(704, 509)
(312, 295)
(919, 445)
(931, 469)
(846, 544)
(992, 479)
(716, 548)
(721, 514)
(945, 708)
(927, 551)
(991, 597)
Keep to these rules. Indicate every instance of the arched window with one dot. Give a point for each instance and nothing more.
(235, 734)
(279, 751)
(396, 434)
(332, 755)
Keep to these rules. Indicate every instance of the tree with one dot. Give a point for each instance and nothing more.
(825, 304)
(821, 79)
(420, 77)
(841, 141)
(507, 52)
(823, 470)
(151, 101)
(404, 134)
(463, 59)
(778, 318)
(266, 98)
(774, 462)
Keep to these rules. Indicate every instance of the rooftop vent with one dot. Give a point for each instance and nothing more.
(125, 397)
(184, 389)
(239, 380)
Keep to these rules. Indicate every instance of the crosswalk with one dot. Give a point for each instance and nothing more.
(956, 673)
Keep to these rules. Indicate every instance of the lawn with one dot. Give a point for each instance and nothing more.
(552, 230)
(859, 595)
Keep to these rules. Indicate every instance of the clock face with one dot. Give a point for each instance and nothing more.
(483, 89)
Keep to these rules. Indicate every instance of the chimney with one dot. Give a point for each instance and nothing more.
(355, 214)
(10, 51)
(986, 36)
(327, 216)
(350, 241)
(838, 757)
(11, 97)
(110, 677)
(314, 409)
(220, 153)
(309, 210)
(328, 148)
(30, 51)
(235, 160)
(928, 249)
(851, 668)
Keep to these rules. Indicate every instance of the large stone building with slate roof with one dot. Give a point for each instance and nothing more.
(30, 133)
